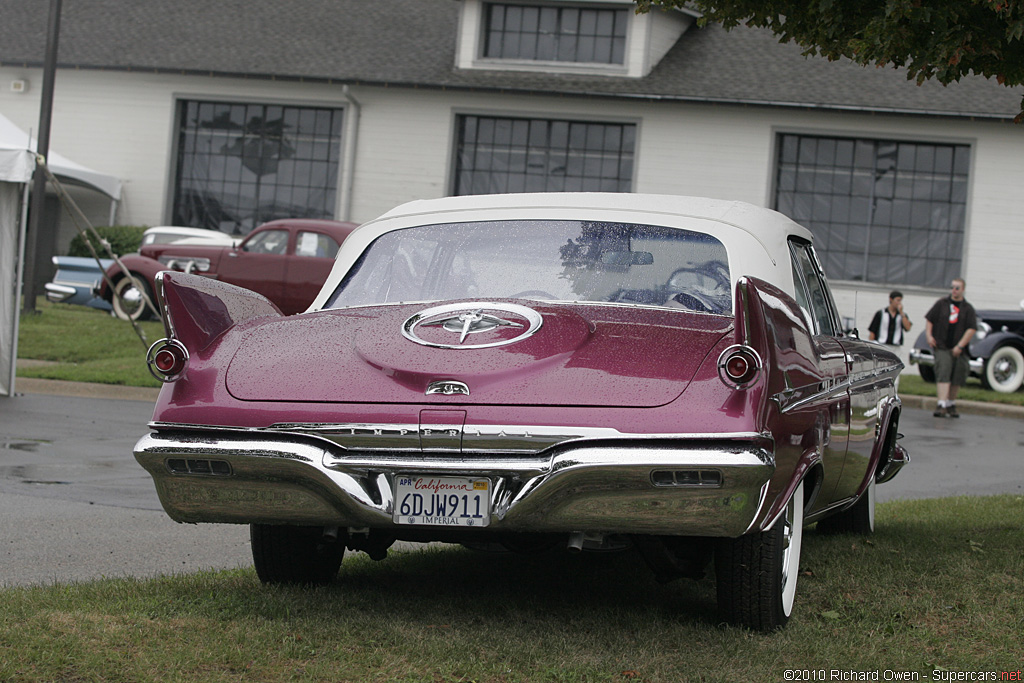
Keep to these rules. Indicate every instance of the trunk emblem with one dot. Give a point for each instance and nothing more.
(448, 388)
(472, 317)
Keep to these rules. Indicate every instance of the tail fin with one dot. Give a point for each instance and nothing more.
(197, 309)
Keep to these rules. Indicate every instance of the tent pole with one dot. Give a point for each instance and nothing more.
(18, 269)
(42, 150)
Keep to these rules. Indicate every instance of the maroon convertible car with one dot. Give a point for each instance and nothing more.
(600, 371)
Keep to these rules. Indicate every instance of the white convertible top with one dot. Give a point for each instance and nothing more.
(755, 237)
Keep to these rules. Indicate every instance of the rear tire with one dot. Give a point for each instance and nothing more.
(757, 574)
(857, 519)
(295, 554)
(927, 373)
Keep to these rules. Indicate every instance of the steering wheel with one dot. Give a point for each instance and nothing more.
(533, 294)
(694, 302)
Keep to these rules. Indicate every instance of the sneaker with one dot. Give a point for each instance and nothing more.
(940, 412)
(951, 411)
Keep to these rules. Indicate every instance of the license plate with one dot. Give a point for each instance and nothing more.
(442, 501)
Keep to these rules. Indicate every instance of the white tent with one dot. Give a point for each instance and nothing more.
(17, 163)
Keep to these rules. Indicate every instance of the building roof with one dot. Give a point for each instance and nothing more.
(413, 42)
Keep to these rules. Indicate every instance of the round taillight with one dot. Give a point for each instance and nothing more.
(167, 359)
(167, 362)
(738, 366)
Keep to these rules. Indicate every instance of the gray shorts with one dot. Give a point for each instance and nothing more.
(950, 369)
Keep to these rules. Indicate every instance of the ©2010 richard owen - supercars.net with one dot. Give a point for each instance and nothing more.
(596, 371)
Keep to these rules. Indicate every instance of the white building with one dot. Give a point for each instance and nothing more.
(224, 114)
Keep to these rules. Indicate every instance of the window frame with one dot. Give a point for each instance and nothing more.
(327, 155)
(621, 27)
(629, 130)
(826, 320)
(878, 218)
(331, 243)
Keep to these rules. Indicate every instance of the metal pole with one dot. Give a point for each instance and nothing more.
(42, 149)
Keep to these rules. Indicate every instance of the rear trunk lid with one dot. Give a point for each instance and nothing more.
(490, 352)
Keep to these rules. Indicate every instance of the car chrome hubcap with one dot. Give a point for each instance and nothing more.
(1004, 370)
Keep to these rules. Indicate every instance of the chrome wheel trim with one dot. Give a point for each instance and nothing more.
(128, 300)
(792, 540)
(870, 493)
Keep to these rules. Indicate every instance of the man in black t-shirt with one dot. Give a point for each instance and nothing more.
(951, 322)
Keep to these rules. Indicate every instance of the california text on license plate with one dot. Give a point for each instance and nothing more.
(442, 501)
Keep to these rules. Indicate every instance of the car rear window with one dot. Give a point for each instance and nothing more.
(582, 261)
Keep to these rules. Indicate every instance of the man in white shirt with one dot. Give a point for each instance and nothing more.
(889, 325)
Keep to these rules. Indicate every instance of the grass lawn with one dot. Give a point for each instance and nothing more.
(913, 385)
(939, 587)
(85, 345)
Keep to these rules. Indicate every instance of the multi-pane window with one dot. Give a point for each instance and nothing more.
(881, 211)
(497, 155)
(555, 34)
(240, 165)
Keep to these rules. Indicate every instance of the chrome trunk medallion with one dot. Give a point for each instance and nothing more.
(473, 317)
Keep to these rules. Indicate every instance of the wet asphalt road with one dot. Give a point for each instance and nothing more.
(74, 504)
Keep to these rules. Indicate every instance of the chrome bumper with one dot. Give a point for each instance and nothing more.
(58, 292)
(922, 357)
(659, 486)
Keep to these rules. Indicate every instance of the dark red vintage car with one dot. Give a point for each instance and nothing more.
(285, 260)
(596, 371)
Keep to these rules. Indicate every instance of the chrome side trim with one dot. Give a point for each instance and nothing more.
(612, 304)
(517, 439)
(795, 398)
(829, 388)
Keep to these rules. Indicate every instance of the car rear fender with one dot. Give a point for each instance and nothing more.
(810, 471)
(196, 310)
(984, 348)
(140, 266)
(771, 322)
